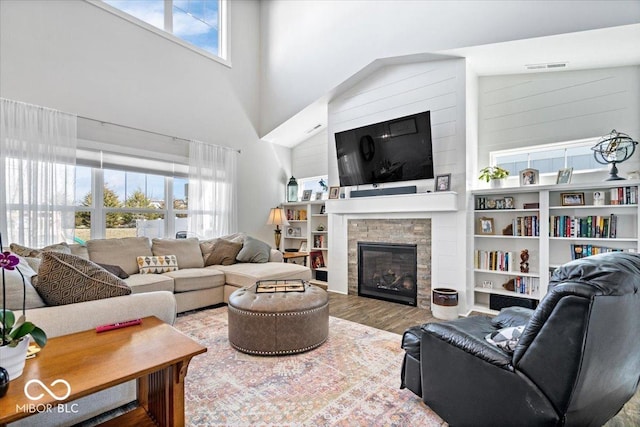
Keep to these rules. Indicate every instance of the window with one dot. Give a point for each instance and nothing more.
(199, 23)
(549, 158)
(313, 184)
(133, 204)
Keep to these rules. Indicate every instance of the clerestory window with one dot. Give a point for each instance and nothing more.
(199, 23)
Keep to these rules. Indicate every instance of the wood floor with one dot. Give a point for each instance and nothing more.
(388, 316)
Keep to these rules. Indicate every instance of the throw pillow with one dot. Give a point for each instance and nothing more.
(206, 246)
(224, 253)
(186, 251)
(254, 250)
(67, 279)
(26, 252)
(15, 289)
(506, 338)
(116, 270)
(157, 264)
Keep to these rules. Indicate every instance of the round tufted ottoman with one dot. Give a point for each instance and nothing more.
(270, 324)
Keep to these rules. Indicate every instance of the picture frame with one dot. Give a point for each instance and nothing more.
(306, 195)
(443, 182)
(598, 198)
(486, 226)
(319, 195)
(317, 260)
(334, 192)
(564, 176)
(529, 177)
(572, 199)
(294, 232)
(303, 246)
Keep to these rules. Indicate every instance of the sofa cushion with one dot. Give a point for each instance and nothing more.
(224, 253)
(186, 250)
(14, 287)
(80, 250)
(254, 250)
(157, 264)
(121, 252)
(206, 246)
(192, 279)
(242, 275)
(26, 252)
(140, 283)
(67, 279)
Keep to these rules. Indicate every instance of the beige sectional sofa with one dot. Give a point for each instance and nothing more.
(192, 286)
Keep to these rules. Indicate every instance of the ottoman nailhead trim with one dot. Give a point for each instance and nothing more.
(273, 353)
(290, 313)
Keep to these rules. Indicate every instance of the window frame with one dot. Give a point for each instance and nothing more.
(223, 56)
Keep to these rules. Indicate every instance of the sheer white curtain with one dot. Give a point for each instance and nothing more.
(37, 171)
(212, 190)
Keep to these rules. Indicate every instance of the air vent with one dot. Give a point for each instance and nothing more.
(546, 66)
(314, 128)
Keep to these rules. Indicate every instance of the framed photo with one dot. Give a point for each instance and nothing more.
(529, 177)
(319, 195)
(303, 246)
(598, 198)
(294, 232)
(306, 195)
(564, 176)
(334, 192)
(317, 260)
(443, 182)
(485, 226)
(572, 199)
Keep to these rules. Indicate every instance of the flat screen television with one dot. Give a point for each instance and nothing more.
(390, 151)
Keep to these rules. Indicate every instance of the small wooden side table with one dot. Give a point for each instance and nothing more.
(290, 255)
(153, 353)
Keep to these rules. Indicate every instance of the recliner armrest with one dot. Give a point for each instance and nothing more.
(455, 334)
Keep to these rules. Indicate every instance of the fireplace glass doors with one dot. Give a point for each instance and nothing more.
(388, 271)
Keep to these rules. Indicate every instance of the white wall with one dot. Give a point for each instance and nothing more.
(310, 157)
(76, 57)
(310, 47)
(531, 109)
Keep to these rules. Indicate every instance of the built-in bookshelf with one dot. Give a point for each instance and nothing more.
(308, 231)
(548, 226)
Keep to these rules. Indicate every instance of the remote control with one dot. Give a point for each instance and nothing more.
(118, 325)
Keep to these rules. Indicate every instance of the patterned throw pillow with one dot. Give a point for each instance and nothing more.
(67, 279)
(26, 252)
(506, 338)
(157, 264)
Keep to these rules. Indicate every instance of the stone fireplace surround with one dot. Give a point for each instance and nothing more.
(447, 234)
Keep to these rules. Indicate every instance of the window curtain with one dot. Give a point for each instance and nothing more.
(37, 167)
(212, 200)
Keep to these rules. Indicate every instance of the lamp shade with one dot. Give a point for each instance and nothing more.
(276, 217)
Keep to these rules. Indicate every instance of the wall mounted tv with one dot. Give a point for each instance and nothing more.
(390, 151)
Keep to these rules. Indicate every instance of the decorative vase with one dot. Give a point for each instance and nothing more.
(4, 381)
(496, 183)
(14, 358)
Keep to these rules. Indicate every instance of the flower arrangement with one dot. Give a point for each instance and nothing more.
(493, 172)
(12, 331)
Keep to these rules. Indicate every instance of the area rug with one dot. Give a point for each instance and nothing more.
(353, 379)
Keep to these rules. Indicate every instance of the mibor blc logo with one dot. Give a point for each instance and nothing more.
(35, 390)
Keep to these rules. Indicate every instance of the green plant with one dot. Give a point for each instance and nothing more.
(493, 172)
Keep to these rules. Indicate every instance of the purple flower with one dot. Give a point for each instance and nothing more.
(8, 261)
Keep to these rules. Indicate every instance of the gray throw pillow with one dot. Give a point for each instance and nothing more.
(254, 250)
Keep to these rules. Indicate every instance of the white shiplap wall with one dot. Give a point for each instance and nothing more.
(540, 108)
(396, 91)
(309, 158)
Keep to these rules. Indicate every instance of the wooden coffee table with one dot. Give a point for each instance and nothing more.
(153, 353)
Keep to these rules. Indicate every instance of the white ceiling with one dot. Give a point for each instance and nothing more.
(602, 48)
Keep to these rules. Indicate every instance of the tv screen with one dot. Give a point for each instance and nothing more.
(390, 151)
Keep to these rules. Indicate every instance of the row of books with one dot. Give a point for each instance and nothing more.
(526, 226)
(296, 214)
(624, 195)
(496, 260)
(581, 251)
(526, 285)
(593, 226)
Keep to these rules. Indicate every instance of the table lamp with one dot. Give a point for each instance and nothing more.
(276, 216)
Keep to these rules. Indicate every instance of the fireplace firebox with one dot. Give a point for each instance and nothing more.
(388, 271)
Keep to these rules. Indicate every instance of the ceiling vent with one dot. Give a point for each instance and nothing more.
(314, 128)
(546, 66)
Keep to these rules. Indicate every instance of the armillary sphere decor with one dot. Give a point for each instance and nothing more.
(616, 147)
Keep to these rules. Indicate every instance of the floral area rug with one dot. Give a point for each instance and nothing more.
(353, 379)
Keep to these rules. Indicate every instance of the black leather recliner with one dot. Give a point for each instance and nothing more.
(576, 364)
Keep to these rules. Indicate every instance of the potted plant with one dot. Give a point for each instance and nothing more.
(14, 333)
(493, 174)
